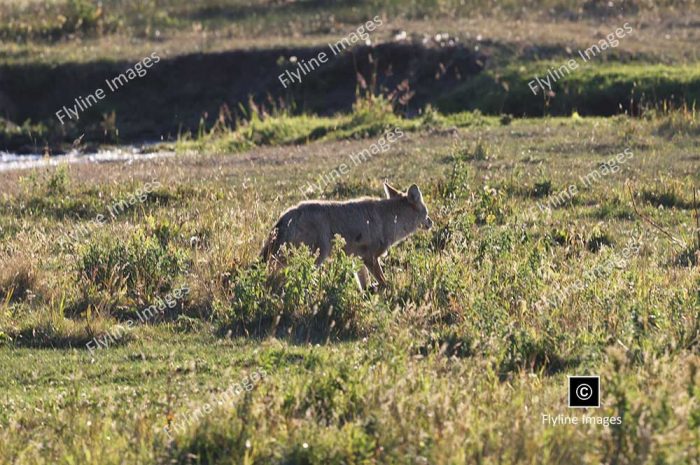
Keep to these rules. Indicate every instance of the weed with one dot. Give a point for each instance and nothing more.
(134, 273)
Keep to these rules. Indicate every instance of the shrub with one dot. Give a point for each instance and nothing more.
(494, 244)
(250, 306)
(565, 236)
(682, 121)
(479, 152)
(82, 15)
(52, 195)
(450, 341)
(333, 398)
(139, 269)
(667, 194)
(341, 309)
(349, 189)
(301, 280)
(438, 281)
(303, 300)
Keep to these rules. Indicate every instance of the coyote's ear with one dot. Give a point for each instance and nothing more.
(390, 191)
(414, 195)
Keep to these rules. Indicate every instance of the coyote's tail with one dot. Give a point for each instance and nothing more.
(274, 242)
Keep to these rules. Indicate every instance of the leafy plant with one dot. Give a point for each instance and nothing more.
(141, 269)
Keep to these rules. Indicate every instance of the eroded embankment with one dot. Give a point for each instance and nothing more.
(187, 93)
(175, 94)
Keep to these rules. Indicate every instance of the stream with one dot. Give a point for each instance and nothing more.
(126, 154)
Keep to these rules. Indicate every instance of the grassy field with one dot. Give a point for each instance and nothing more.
(456, 361)
(139, 326)
(54, 51)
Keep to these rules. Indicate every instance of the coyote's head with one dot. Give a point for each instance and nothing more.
(414, 199)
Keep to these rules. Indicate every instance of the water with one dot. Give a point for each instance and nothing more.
(10, 161)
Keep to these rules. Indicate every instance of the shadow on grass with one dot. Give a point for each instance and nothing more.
(294, 329)
(65, 335)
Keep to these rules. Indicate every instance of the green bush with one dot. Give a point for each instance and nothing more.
(250, 307)
(333, 398)
(437, 281)
(301, 281)
(341, 308)
(301, 299)
(139, 269)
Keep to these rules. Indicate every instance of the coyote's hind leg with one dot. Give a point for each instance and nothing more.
(376, 269)
(363, 278)
(324, 250)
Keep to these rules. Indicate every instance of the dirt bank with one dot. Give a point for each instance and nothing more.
(176, 94)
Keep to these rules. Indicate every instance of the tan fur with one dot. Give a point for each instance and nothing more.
(369, 226)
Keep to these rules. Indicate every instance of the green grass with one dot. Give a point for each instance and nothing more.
(592, 89)
(370, 118)
(470, 343)
(345, 403)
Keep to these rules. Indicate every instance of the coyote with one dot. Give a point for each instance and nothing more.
(369, 226)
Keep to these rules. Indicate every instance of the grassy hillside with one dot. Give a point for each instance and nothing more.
(456, 361)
